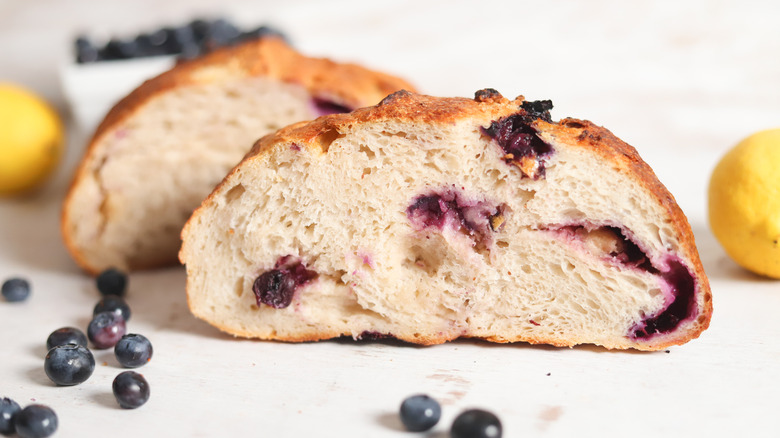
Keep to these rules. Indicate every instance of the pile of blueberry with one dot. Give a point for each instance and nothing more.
(188, 41)
(421, 412)
(70, 362)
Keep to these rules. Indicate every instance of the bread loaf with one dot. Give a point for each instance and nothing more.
(164, 147)
(428, 219)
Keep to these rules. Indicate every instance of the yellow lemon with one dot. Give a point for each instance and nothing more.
(744, 203)
(31, 139)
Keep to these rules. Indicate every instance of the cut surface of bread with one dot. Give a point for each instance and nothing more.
(428, 219)
(163, 148)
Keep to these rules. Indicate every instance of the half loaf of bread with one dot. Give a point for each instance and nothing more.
(428, 219)
(164, 147)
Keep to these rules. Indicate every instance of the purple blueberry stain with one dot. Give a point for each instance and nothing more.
(374, 336)
(681, 290)
(520, 141)
(622, 249)
(324, 107)
(678, 284)
(276, 287)
(448, 209)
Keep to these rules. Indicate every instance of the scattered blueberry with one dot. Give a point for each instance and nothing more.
(114, 304)
(36, 421)
(69, 364)
(66, 335)
(15, 289)
(133, 350)
(112, 281)
(130, 389)
(476, 423)
(420, 413)
(8, 411)
(106, 329)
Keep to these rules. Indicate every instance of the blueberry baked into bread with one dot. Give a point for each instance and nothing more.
(163, 148)
(429, 219)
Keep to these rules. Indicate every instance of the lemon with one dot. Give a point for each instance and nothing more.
(744, 203)
(31, 139)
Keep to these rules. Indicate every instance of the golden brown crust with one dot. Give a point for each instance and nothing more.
(346, 84)
(407, 106)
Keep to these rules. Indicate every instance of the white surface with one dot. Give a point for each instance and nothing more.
(681, 81)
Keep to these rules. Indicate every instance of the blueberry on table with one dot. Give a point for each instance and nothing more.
(15, 289)
(106, 329)
(69, 364)
(8, 411)
(114, 304)
(130, 389)
(476, 423)
(66, 335)
(36, 421)
(112, 281)
(420, 413)
(133, 350)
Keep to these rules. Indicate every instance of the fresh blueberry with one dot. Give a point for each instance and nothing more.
(8, 411)
(36, 421)
(130, 389)
(476, 423)
(66, 335)
(223, 32)
(112, 281)
(114, 304)
(148, 44)
(86, 51)
(420, 413)
(106, 329)
(16, 289)
(200, 28)
(69, 364)
(133, 350)
(178, 38)
(120, 49)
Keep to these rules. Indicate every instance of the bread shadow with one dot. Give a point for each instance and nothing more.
(106, 400)
(31, 235)
(392, 421)
(38, 376)
(158, 298)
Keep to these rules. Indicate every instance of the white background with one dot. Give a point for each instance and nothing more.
(682, 81)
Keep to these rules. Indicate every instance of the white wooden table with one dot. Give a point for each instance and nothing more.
(681, 81)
